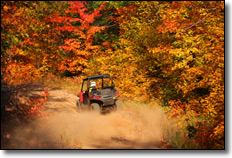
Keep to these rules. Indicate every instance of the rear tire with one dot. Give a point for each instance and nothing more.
(78, 106)
(95, 107)
(118, 105)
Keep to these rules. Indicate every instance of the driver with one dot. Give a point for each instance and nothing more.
(92, 86)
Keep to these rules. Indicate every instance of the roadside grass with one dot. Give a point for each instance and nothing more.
(183, 130)
(70, 84)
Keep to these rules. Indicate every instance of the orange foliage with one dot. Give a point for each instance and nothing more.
(19, 73)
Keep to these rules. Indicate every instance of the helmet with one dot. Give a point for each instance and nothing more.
(92, 84)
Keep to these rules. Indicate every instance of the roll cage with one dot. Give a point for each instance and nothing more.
(97, 77)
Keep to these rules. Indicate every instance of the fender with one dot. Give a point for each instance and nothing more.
(81, 96)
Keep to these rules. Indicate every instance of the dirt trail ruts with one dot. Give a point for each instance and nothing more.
(135, 127)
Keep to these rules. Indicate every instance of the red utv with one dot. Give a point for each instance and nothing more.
(98, 93)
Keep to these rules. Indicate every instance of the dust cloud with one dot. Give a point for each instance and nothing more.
(135, 127)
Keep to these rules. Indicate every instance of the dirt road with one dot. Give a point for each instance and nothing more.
(135, 127)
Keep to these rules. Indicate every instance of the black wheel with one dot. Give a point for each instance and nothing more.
(78, 106)
(118, 105)
(95, 107)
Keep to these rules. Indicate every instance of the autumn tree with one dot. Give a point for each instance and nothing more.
(29, 43)
(77, 30)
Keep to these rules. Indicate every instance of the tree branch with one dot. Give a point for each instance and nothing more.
(198, 21)
(195, 23)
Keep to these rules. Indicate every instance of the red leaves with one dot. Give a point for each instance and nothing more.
(165, 144)
(202, 136)
(107, 44)
(67, 28)
(59, 19)
(82, 45)
(178, 105)
(80, 8)
(168, 26)
(31, 106)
